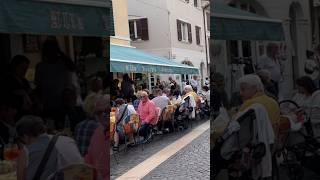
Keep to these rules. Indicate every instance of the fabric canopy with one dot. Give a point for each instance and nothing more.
(34, 17)
(228, 23)
(129, 59)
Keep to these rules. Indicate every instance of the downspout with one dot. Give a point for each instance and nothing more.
(205, 37)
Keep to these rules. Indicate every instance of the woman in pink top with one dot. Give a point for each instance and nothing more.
(98, 154)
(147, 113)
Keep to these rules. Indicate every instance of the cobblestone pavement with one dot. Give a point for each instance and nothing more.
(134, 156)
(192, 162)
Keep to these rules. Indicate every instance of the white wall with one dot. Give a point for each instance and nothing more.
(158, 25)
(280, 10)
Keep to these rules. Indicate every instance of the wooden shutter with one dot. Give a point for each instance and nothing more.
(144, 29)
(198, 35)
(131, 29)
(179, 30)
(195, 3)
(189, 33)
(139, 29)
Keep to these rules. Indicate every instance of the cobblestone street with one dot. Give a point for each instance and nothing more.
(192, 161)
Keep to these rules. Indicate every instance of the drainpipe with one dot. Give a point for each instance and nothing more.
(205, 35)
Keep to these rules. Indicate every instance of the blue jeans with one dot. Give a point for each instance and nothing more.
(144, 130)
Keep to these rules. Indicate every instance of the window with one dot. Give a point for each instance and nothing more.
(198, 35)
(184, 31)
(195, 3)
(187, 1)
(139, 29)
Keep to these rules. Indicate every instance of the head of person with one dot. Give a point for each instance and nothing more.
(51, 50)
(96, 106)
(69, 97)
(265, 75)
(188, 88)
(166, 91)
(103, 109)
(205, 88)
(306, 85)
(144, 96)
(96, 84)
(19, 65)
(120, 102)
(29, 128)
(249, 86)
(272, 50)
(195, 77)
(158, 92)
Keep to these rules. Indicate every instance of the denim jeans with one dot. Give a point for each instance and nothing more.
(144, 130)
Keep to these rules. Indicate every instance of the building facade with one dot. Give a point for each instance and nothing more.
(173, 29)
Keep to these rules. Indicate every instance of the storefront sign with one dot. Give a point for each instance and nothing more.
(143, 68)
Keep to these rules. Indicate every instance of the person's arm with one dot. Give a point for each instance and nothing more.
(152, 113)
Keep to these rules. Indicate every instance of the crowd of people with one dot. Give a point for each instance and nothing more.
(152, 107)
(49, 121)
(248, 144)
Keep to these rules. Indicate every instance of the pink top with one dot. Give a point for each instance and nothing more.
(147, 111)
(98, 153)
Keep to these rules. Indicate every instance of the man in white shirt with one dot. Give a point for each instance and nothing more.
(161, 100)
(195, 84)
(271, 63)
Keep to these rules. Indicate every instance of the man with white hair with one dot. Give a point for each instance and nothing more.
(267, 116)
(271, 63)
(252, 91)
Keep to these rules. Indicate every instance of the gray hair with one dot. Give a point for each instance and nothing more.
(264, 73)
(91, 101)
(31, 126)
(188, 88)
(251, 80)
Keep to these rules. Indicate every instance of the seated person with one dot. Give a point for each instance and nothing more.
(122, 118)
(147, 113)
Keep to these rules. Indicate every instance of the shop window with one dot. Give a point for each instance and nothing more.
(139, 29)
(184, 31)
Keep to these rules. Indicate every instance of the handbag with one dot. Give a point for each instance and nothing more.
(45, 158)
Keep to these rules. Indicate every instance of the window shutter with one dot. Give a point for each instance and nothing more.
(131, 29)
(198, 35)
(189, 33)
(139, 29)
(144, 29)
(195, 3)
(179, 30)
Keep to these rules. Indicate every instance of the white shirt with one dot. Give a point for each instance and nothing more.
(273, 66)
(161, 101)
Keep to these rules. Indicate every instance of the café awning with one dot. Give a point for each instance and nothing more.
(55, 18)
(132, 60)
(228, 23)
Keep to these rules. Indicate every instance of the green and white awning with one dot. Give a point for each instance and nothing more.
(132, 60)
(228, 23)
(48, 18)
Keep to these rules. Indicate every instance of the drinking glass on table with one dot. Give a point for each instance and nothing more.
(11, 152)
